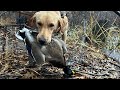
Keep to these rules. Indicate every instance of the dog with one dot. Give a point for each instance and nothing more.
(52, 53)
(48, 23)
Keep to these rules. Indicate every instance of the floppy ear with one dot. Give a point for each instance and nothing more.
(63, 24)
(33, 21)
(58, 12)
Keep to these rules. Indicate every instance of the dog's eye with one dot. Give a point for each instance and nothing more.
(39, 23)
(51, 25)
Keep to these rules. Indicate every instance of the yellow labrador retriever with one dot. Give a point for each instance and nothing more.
(49, 22)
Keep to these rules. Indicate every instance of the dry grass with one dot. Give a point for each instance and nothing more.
(6, 21)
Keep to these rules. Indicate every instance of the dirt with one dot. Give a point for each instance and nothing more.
(87, 63)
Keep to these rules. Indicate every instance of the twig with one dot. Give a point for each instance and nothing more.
(53, 74)
(5, 68)
(88, 47)
(93, 74)
(115, 64)
(17, 73)
(34, 71)
(40, 74)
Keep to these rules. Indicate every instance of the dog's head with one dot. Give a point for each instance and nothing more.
(47, 23)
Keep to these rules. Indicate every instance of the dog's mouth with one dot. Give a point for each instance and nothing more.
(42, 42)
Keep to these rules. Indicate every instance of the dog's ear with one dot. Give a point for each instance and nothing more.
(33, 21)
(63, 24)
(57, 12)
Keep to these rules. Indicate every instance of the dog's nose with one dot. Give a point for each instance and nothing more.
(42, 41)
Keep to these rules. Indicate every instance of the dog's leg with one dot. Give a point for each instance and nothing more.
(64, 36)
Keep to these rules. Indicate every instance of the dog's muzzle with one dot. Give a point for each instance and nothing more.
(42, 41)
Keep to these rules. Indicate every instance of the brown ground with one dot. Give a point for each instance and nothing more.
(86, 62)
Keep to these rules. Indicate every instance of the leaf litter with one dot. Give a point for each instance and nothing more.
(86, 63)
